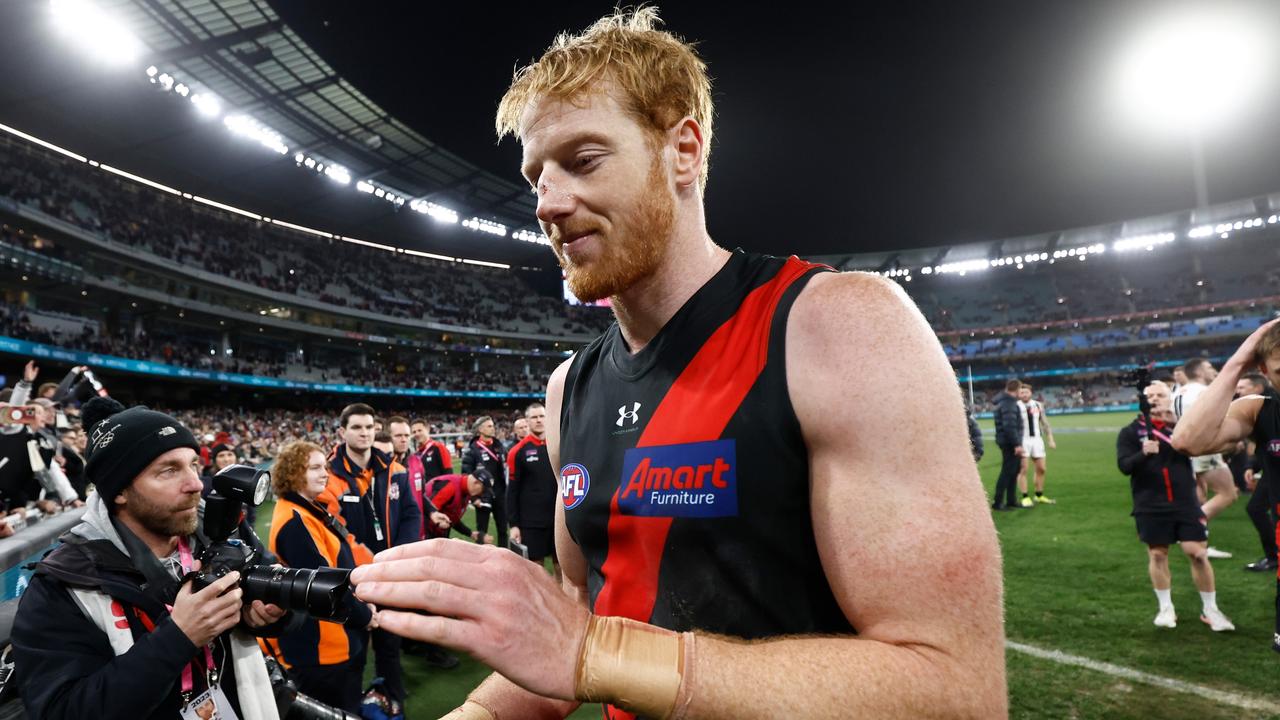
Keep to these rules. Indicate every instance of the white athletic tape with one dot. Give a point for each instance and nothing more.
(1220, 696)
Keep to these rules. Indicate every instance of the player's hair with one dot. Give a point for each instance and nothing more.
(1268, 344)
(289, 473)
(657, 77)
(1025, 386)
(533, 405)
(382, 437)
(396, 419)
(1193, 368)
(1258, 380)
(1013, 385)
(420, 421)
(353, 409)
(45, 387)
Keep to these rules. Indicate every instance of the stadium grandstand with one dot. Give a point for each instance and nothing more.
(201, 211)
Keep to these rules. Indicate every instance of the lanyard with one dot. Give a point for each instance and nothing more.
(490, 453)
(187, 561)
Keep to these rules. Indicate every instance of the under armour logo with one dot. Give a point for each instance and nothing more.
(633, 415)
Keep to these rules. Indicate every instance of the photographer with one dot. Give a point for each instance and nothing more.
(447, 498)
(1166, 508)
(326, 660)
(107, 627)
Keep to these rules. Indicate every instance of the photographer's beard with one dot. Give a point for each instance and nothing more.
(162, 520)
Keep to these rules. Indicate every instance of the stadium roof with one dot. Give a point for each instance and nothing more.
(243, 55)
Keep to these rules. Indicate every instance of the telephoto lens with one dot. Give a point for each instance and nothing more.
(322, 593)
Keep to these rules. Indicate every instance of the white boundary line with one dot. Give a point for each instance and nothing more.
(1220, 696)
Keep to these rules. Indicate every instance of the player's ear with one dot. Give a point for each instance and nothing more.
(690, 146)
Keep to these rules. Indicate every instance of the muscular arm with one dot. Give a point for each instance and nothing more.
(1214, 423)
(930, 636)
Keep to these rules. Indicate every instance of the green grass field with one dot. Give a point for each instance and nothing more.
(1076, 581)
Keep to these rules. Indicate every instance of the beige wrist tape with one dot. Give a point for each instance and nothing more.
(470, 710)
(635, 666)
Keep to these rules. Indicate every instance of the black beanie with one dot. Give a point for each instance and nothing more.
(122, 443)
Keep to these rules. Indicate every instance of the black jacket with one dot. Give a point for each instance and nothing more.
(975, 437)
(491, 458)
(1161, 483)
(1008, 421)
(532, 492)
(65, 666)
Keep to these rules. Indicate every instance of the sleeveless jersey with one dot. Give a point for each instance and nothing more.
(684, 474)
(1266, 436)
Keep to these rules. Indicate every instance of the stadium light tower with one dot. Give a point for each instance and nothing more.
(1193, 73)
(94, 32)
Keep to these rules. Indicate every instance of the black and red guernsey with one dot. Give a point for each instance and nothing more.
(684, 473)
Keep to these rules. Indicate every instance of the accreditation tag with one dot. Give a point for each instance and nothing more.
(212, 704)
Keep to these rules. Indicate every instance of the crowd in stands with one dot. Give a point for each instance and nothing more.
(274, 259)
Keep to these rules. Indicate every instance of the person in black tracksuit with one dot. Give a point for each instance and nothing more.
(1258, 508)
(532, 491)
(485, 451)
(1009, 440)
(1166, 508)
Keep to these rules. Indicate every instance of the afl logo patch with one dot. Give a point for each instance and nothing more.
(1273, 448)
(574, 483)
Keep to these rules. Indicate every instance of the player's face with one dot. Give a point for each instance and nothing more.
(399, 437)
(1024, 394)
(605, 198)
(537, 418)
(1271, 368)
(358, 433)
(421, 434)
(1159, 398)
(1180, 376)
(1208, 373)
(520, 428)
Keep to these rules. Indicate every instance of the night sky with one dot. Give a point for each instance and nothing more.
(845, 129)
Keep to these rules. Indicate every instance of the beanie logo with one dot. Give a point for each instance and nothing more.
(166, 430)
(103, 435)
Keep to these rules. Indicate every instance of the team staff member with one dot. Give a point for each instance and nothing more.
(1215, 422)
(434, 454)
(449, 497)
(532, 491)
(398, 428)
(485, 451)
(1257, 484)
(1166, 507)
(371, 493)
(104, 630)
(325, 660)
(747, 372)
(1008, 419)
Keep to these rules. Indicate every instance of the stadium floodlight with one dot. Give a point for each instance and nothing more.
(207, 105)
(1192, 71)
(364, 186)
(151, 71)
(94, 32)
(247, 127)
(182, 89)
(338, 174)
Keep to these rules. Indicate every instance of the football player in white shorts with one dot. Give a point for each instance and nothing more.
(1211, 471)
(1035, 432)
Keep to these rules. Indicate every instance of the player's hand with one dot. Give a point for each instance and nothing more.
(1019, 451)
(30, 372)
(203, 616)
(440, 520)
(1246, 355)
(373, 617)
(492, 604)
(514, 533)
(260, 614)
(1052, 444)
(1150, 447)
(488, 539)
(1250, 481)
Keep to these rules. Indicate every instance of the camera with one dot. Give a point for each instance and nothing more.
(18, 414)
(321, 593)
(293, 705)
